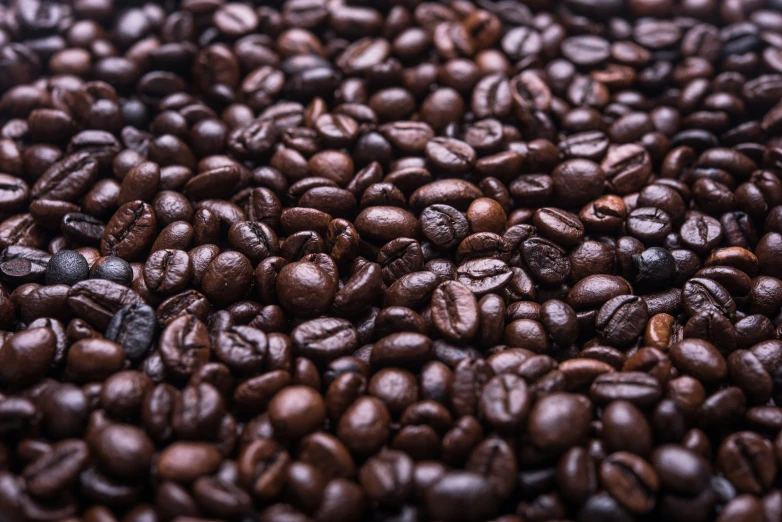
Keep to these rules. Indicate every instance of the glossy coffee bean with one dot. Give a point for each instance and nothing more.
(454, 261)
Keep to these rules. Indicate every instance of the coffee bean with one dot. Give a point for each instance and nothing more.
(558, 226)
(482, 276)
(455, 497)
(184, 346)
(680, 470)
(133, 328)
(67, 267)
(388, 477)
(558, 421)
(58, 470)
(455, 311)
(698, 358)
(546, 260)
(504, 402)
(444, 226)
(187, 461)
(648, 224)
(622, 319)
(577, 182)
(130, 231)
(742, 457)
(704, 295)
(324, 339)
(630, 480)
(447, 260)
(97, 300)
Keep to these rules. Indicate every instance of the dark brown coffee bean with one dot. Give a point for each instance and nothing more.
(130, 231)
(742, 457)
(558, 421)
(324, 339)
(630, 480)
(622, 319)
(700, 359)
(444, 226)
(504, 402)
(702, 295)
(455, 311)
(58, 470)
(561, 227)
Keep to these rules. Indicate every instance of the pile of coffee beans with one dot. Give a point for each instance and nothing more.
(391, 260)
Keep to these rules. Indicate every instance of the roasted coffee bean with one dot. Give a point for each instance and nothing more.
(547, 261)
(745, 459)
(82, 228)
(622, 319)
(630, 480)
(67, 267)
(504, 402)
(97, 300)
(713, 327)
(184, 346)
(639, 388)
(227, 277)
(576, 182)
(67, 179)
(130, 231)
(57, 470)
(560, 321)
(300, 260)
(699, 359)
(27, 355)
(455, 311)
(324, 339)
(559, 421)
(558, 226)
(167, 271)
(114, 269)
(93, 359)
(455, 497)
(702, 295)
(400, 257)
(482, 276)
(444, 226)
(133, 328)
(648, 224)
(23, 264)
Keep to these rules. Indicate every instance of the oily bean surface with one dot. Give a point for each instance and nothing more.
(425, 261)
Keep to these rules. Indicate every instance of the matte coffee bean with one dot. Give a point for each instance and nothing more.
(67, 267)
(133, 327)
